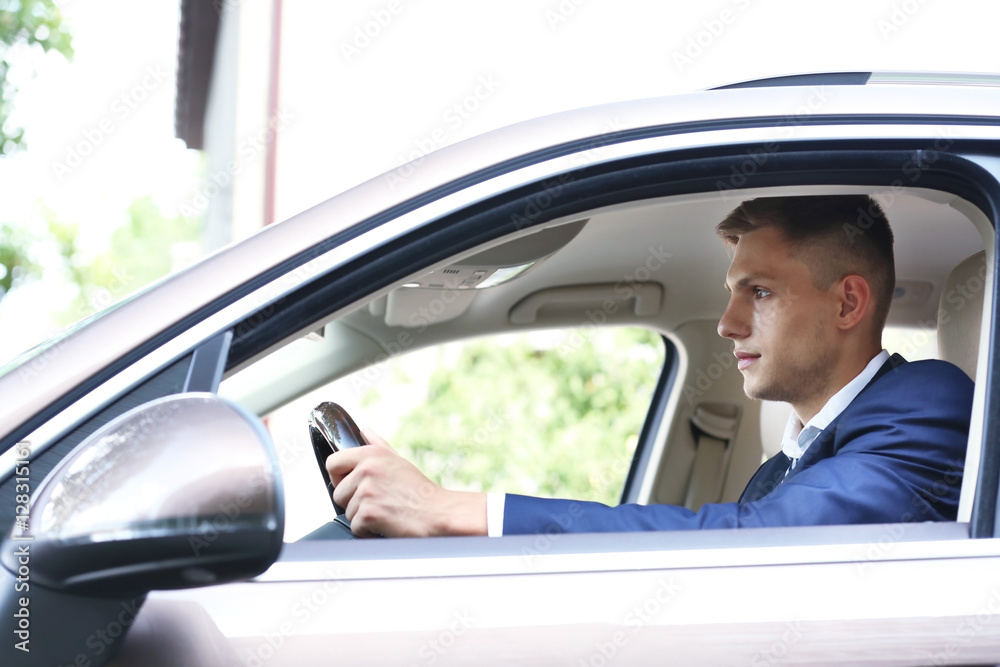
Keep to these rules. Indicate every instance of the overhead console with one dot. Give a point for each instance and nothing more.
(447, 292)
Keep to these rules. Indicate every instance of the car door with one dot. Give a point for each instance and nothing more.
(707, 597)
(547, 597)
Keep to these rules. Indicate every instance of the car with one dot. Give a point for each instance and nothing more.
(154, 518)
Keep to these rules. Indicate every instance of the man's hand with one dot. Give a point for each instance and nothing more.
(384, 494)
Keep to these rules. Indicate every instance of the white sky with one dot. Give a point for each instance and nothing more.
(358, 114)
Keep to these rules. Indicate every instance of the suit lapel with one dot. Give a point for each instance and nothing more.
(772, 472)
(768, 476)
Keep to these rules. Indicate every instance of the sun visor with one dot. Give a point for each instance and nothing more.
(446, 293)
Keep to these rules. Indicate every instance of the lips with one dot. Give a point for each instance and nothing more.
(745, 359)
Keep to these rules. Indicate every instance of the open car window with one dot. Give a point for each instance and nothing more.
(656, 234)
(554, 413)
(447, 407)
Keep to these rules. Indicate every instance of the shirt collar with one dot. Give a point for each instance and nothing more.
(798, 437)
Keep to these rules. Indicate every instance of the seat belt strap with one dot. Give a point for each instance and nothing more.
(712, 433)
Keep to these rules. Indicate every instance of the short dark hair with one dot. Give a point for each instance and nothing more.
(841, 234)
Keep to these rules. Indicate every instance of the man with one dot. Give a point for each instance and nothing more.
(872, 438)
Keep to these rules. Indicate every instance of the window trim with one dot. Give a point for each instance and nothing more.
(609, 552)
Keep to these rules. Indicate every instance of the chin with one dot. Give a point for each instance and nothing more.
(762, 391)
(751, 390)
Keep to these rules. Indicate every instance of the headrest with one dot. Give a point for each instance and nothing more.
(960, 314)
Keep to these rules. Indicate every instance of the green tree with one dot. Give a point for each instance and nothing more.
(27, 247)
(561, 420)
(147, 247)
(33, 24)
(24, 24)
(15, 264)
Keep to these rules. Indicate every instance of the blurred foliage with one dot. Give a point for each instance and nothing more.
(25, 248)
(31, 24)
(147, 246)
(507, 414)
(24, 24)
(15, 264)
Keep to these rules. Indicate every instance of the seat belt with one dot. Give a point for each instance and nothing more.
(713, 431)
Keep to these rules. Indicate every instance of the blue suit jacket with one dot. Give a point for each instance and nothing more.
(894, 455)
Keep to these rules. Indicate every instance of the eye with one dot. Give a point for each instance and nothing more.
(760, 293)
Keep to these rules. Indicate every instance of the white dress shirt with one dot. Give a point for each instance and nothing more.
(797, 437)
(794, 443)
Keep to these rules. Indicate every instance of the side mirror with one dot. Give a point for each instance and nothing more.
(180, 492)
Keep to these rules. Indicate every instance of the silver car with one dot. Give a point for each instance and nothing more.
(153, 517)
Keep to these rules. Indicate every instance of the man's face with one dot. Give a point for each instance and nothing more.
(783, 327)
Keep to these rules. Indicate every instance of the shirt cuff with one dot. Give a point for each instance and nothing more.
(494, 514)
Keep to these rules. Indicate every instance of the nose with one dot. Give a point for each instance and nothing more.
(734, 323)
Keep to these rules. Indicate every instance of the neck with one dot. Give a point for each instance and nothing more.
(849, 367)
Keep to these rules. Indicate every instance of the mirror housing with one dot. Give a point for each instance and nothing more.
(179, 492)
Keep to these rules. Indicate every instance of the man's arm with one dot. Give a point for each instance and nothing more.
(894, 455)
(384, 494)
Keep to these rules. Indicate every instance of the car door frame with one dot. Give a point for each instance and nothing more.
(341, 275)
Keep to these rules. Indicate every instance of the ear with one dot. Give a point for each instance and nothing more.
(855, 296)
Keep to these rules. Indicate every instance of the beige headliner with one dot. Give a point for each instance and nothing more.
(933, 234)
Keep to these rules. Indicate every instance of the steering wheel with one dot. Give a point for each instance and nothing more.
(332, 429)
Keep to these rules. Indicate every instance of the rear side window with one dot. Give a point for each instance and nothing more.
(554, 413)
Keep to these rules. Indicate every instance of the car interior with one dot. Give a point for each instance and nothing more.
(653, 263)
